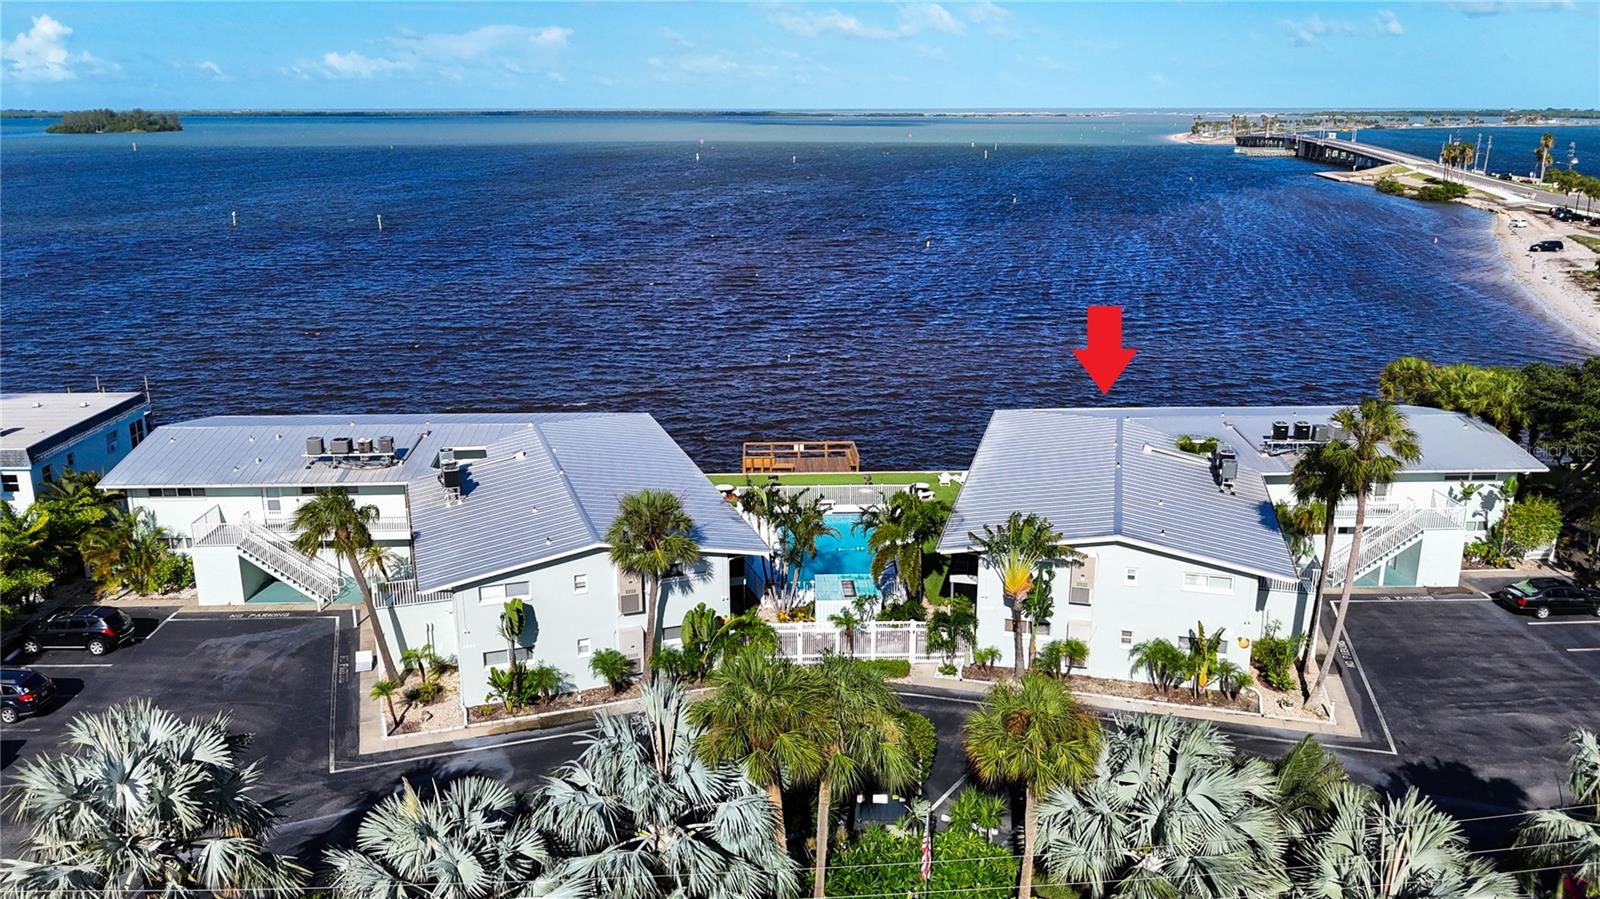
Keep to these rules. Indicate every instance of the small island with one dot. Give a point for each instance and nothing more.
(107, 121)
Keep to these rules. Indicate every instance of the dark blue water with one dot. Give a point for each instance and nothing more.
(882, 282)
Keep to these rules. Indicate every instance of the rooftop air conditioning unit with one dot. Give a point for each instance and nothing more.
(1302, 430)
(1321, 433)
(364, 446)
(314, 446)
(1280, 430)
(386, 445)
(340, 446)
(1224, 465)
(447, 454)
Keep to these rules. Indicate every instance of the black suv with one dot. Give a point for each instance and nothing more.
(1547, 246)
(23, 692)
(98, 629)
(1540, 596)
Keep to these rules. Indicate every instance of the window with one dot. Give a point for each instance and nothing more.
(1127, 638)
(1209, 583)
(1042, 630)
(72, 460)
(580, 583)
(111, 441)
(1458, 476)
(497, 657)
(499, 593)
(1380, 491)
(584, 646)
(9, 483)
(308, 491)
(46, 475)
(134, 435)
(672, 633)
(1130, 577)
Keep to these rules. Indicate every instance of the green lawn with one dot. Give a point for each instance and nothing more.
(1587, 240)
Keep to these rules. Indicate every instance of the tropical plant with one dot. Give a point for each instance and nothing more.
(791, 524)
(1172, 810)
(1408, 379)
(125, 551)
(652, 537)
(1163, 662)
(899, 532)
(1203, 650)
(1039, 607)
(1570, 839)
(986, 657)
(332, 517)
(75, 505)
(1377, 445)
(887, 863)
(1231, 677)
(470, 839)
(380, 561)
(385, 690)
(848, 623)
(1319, 477)
(513, 622)
(1541, 153)
(640, 815)
(1061, 656)
(922, 742)
(1273, 658)
(142, 800)
(613, 667)
(1299, 523)
(1534, 521)
(416, 659)
(859, 737)
(28, 561)
(1372, 848)
(710, 639)
(504, 689)
(1016, 551)
(1032, 735)
(758, 717)
(543, 681)
(952, 626)
(1308, 778)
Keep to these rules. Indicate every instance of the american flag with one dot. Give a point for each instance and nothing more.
(927, 851)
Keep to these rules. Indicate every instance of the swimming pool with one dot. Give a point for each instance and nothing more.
(844, 552)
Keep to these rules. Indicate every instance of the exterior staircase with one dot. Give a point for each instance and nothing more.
(271, 552)
(1397, 533)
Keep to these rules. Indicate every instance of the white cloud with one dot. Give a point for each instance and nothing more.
(913, 19)
(357, 65)
(1500, 7)
(986, 13)
(483, 41)
(557, 77)
(673, 37)
(1389, 23)
(1306, 31)
(211, 68)
(41, 54)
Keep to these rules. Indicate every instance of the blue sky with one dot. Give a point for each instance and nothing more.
(800, 56)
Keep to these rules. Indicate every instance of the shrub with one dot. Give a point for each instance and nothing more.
(886, 668)
(976, 808)
(1533, 521)
(1230, 678)
(1391, 185)
(613, 667)
(670, 661)
(1273, 658)
(1438, 193)
(1201, 447)
(884, 863)
(1061, 656)
(924, 742)
(542, 681)
(948, 669)
(986, 657)
(904, 610)
(1164, 663)
(804, 612)
(172, 573)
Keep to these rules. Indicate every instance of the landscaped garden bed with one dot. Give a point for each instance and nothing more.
(595, 696)
(1127, 689)
(416, 716)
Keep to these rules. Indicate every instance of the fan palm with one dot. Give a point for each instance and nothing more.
(1319, 479)
(1408, 379)
(76, 503)
(899, 532)
(1378, 444)
(1015, 551)
(1033, 735)
(641, 815)
(1570, 839)
(757, 718)
(470, 839)
(333, 518)
(1172, 810)
(1373, 848)
(144, 800)
(1308, 777)
(652, 537)
(858, 734)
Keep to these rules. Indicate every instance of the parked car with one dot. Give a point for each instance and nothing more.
(98, 629)
(1519, 223)
(23, 693)
(1547, 246)
(1542, 596)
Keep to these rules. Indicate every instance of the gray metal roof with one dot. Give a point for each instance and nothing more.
(553, 489)
(1098, 477)
(31, 424)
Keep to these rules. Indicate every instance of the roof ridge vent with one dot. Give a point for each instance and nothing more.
(1179, 455)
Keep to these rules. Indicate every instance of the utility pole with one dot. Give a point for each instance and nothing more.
(1484, 169)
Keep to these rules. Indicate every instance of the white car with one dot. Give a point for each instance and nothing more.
(1519, 223)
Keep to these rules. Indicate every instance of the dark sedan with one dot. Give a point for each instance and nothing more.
(23, 693)
(1543, 596)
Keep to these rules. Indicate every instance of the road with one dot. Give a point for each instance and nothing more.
(1507, 189)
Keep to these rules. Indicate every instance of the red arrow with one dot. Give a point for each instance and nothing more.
(1105, 357)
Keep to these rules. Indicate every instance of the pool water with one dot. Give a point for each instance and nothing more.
(844, 552)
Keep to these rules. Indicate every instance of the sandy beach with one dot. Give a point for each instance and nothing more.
(1549, 278)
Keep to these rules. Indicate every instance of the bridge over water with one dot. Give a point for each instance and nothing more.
(1353, 155)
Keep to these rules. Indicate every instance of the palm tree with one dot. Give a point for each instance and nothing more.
(641, 816)
(1165, 664)
(1040, 606)
(143, 800)
(385, 690)
(333, 518)
(757, 717)
(1373, 848)
(1033, 735)
(1378, 444)
(470, 839)
(1318, 480)
(1408, 379)
(1308, 778)
(651, 538)
(123, 552)
(858, 735)
(899, 531)
(1570, 839)
(1172, 810)
(1203, 650)
(1016, 551)
(380, 560)
(28, 560)
(791, 524)
(613, 667)
(1541, 153)
(846, 621)
(513, 620)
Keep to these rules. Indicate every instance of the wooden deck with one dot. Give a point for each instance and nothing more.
(800, 456)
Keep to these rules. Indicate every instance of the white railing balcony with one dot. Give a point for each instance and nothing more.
(404, 593)
(383, 529)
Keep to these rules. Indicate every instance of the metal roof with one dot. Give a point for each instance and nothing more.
(32, 423)
(553, 489)
(1100, 477)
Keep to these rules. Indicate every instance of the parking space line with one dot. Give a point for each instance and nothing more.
(1362, 671)
(68, 665)
(439, 755)
(1562, 623)
(947, 793)
(163, 623)
(1586, 649)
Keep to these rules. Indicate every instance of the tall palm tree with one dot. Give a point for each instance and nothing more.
(791, 524)
(1377, 445)
(333, 518)
(640, 815)
(1570, 839)
(859, 737)
(1408, 379)
(1032, 734)
(1172, 811)
(1541, 153)
(1318, 478)
(1372, 848)
(651, 538)
(899, 531)
(470, 839)
(142, 800)
(757, 718)
(1015, 551)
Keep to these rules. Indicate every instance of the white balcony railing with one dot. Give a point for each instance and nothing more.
(404, 593)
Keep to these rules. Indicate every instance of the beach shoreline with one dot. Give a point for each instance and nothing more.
(1547, 278)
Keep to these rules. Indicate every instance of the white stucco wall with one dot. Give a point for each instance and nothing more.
(178, 513)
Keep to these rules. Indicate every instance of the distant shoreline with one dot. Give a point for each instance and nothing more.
(1569, 117)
